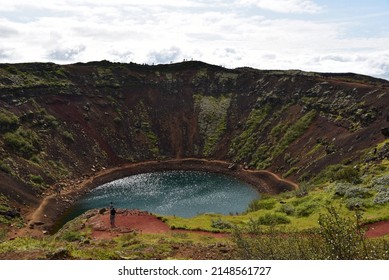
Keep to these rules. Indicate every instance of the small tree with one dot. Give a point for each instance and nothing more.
(343, 237)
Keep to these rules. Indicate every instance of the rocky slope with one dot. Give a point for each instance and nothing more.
(60, 122)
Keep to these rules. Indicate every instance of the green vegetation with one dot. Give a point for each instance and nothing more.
(243, 145)
(7, 220)
(8, 121)
(3, 234)
(272, 219)
(266, 141)
(68, 136)
(347, 174)
(212, 119)
(265, 202)
(29, 75)
(143, 126)
(293, 132)
(36, 179)
(294, 169)
(24, 142)
(338, 237)
(5, 167)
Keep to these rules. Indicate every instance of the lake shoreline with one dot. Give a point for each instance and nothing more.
(55, 205)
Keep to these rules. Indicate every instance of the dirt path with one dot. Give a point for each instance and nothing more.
(127, 221)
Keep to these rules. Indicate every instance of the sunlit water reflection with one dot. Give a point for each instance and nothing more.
(180, 193)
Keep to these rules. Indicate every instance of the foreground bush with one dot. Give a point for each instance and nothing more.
(337, 238)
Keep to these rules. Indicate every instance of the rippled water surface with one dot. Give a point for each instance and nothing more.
(180, 193)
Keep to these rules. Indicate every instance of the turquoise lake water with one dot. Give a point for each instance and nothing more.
(180, 193)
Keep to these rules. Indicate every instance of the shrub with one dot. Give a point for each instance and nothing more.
(338, 238)
(302, 190)
(355, 203)
(347, 174)
(306, 209)
(272, 244)
(36, 159)
(5, 167)
(357, 192)
(258, 204)
(341, 188)
(350, 191)
(381, 182)
(288, 209)
(273, 219)
(68, 136)
(327, 174)
(37, 179)
(72, 236)
(8, 121)
(382, 197)
(344, 237)
(220, 224)
(23, 142)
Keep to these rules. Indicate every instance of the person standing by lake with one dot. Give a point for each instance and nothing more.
(112, 215)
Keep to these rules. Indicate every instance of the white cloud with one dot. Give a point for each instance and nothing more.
(165, 56)
(66, 54)
(6, 31)
(285, 6)
(5, 54)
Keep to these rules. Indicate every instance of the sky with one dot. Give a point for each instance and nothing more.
(310, 35)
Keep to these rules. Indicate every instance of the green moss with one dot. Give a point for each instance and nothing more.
(347, 174)
(316, 148)
(242, 146)
(36, 179)
(5, 167)
(24, 142)
(8, 121)
(212, 119)
(27, 75)
(143, 123)
(294, 132)
(278, 130)
(68, 136)
(290, 171)
(4, 203)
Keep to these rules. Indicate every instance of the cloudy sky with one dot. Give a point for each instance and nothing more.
(312, 35)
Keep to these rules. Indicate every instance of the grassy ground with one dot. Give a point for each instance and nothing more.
(78, 245)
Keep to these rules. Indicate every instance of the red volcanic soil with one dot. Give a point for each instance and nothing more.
(127, 221)
(378, 229)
